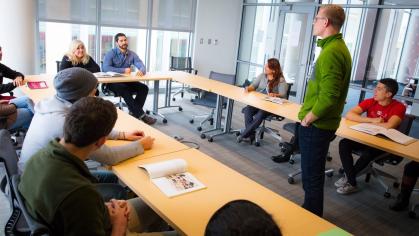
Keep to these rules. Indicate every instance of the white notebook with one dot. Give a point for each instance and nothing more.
(107, 74)
(392, 134)
(171, 177)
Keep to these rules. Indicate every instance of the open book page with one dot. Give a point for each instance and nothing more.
(171, 177)
(392, 134)
(107, 74)
(274, 99)
(163, 168)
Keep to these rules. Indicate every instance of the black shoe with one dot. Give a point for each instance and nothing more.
(148, 120)
(281, 158)
(400, 204)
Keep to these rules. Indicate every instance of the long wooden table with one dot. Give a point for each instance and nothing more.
(189, 213)
(290, 111)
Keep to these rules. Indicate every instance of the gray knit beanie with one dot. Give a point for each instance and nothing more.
(74, 83)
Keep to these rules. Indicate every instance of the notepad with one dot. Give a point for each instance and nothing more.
(107, 74)
(171, 177)
(274, 99)
(37, 85)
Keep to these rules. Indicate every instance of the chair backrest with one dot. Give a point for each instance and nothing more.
(58, 65)
(226, 78)
(288, 90)
(406, 124)
(181, 63)
(36, 227)
(8, 156)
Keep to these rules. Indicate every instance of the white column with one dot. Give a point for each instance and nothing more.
(17, 37)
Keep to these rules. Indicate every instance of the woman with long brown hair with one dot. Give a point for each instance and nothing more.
(272, 83)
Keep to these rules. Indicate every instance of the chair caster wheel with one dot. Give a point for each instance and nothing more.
(203, 136)
(387, 195)
(396, 185)
(341, 171)
(199, 128)
(412, 214)
(191, 121)
(291, 180)
(164, 121)
(180, 109)
(328, 158)
(173, 99)
(291, 161)
(257, 144)
(147, 112)
(210, 139)
(237, 134)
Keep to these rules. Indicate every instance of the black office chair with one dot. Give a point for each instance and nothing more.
(36, 227)
(16, 222)
(385, 158)
(209, 99)
(273, 132)
(414, 206)
(183, 64)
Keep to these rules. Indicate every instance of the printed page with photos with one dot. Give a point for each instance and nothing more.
(171, 177)
(108, 74)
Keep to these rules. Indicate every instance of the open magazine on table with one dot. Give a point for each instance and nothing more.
(392, 134)
(171, 177)
(37, 84)
(108, 74)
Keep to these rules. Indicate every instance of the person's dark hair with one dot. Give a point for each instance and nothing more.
(335, 14)
(119, 35)
(241, 218)
(391, 85)
(274, 65)
(89, 119)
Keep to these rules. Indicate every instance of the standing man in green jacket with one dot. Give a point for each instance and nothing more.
(323, 103)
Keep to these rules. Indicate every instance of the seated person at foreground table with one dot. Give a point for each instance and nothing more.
(78, 57)
(272, 83)
(119, 60)
(241, 218)
(65, 189)
(410, 176)
(71, 85)
(17, 77)
(381, 110)
(16, 113)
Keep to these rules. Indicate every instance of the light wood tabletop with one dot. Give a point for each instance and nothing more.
(150, 76)
(189, 213)
(290, 111)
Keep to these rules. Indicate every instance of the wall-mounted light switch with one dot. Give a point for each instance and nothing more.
(215, 41)
(201, 41)
(209, 41)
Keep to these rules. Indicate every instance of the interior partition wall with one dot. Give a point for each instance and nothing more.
(381, 35)
(156, 29)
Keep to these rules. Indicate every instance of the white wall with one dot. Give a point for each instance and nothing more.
(217, 20)
(17, 37)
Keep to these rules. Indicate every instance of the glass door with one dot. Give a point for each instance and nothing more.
(294, 40)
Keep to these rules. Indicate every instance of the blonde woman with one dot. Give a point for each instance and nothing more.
(77, 57)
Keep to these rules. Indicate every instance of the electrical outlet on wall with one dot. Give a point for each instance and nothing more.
(201, 41)
(215, 41)
(209, 41)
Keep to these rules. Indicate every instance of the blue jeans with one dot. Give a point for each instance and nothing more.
(314, 145)
(25, 112)
(108, 186)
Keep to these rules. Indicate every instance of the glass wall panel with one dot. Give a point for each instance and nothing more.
(247, 71)
(67, 10)
(165, 44)
(136, 40)
(124, 13)
(259, 33)
(352, 100)
(173, 14)
(54, 42)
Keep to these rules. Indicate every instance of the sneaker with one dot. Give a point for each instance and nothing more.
(148, 120)
(341, 182)
(347, 189)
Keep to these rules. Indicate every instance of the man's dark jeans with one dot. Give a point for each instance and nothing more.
(314, 145)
